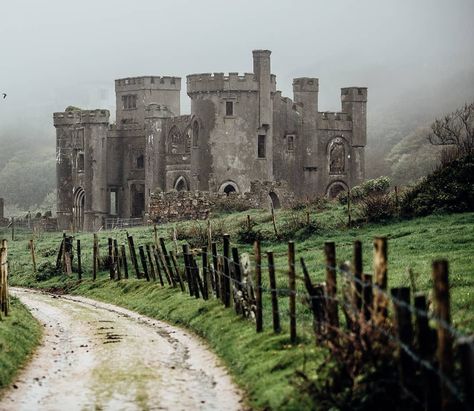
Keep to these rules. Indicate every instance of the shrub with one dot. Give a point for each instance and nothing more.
(377, 207)
(296, 227)
(379, 185)
(230, 204)
(317, 203)
(450, 188)
(46, 270)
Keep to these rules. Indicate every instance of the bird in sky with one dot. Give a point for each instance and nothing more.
(4, 95)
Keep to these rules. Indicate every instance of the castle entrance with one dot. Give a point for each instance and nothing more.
(137, 196)
(78, 209)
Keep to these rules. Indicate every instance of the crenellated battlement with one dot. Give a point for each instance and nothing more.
(306, 84)
(334, 121)
(81, 117)
(353, 94)
(148, 82)
(214, 82)
(154, 110)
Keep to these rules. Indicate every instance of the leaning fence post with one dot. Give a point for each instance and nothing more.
(358, 270)
(226, 279)
(445, 341)
(258, 288)
(157, 264)
(401, 302)
(292, 287)
(144, 265)
(79, 260)
(176, 270)
(273, 290)
(33, 259)
(331, 285)
(380, 274)
(426, 348)
(150, 261)
(124, 261)
(133, 255)
(187, 268)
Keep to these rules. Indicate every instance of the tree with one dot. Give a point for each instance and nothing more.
(455, 130)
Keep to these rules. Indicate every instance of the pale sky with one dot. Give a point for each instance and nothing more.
(57, 53)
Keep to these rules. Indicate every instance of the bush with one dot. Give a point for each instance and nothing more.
(379, 185)
(46, 270)
(296, 227)
(231, 204)
(448, 189)
(377, 207)
(317, 203)
(196, 233)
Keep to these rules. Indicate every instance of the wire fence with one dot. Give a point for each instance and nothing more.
(352, 313)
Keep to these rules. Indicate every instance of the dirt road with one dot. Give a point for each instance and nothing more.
(97, 356)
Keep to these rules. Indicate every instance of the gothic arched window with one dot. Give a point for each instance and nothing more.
(337, 157)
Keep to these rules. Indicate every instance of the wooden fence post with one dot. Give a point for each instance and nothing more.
(111, 258)
(176, 270)
(426, 349)
(401, 302)
(273, 291)
(358, 270)
(215, 276)
(258, 288)
(292, 287)
(445, 341)
(150, 261)
(124, 261)
(368, 297)
(118, 273)
(226, 277)
(143, 260)
(157, 264)
(331, 285)
(79, 259)
(205, 273)
(133, 255)
(380, 274)
(94, 258)
(187, 267)
(168, 268)
(33, 258)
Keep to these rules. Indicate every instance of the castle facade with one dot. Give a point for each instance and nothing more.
(241, 129)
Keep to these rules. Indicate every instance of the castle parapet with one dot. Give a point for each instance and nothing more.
(211, 83)
(81, 117)
(354, 94)
(334, 121)
(148, 82)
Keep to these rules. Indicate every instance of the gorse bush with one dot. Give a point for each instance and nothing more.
(379, 185)
(448, 189)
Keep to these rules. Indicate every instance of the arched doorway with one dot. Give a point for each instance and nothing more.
(78, 208)
(274, 200)
(181, 184)
(228, 187)
(334, 189)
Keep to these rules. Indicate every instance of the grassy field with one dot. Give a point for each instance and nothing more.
(20, 333)
(264, 364)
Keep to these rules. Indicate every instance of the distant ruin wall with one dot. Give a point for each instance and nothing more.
(199, 205)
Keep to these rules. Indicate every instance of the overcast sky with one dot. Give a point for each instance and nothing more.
(56, 53)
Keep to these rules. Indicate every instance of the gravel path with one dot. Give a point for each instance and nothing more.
(96, 356)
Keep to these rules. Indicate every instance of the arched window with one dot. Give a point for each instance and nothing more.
(176, 144)
(181, 184)
(140, 161)
(187, 147)
(195, 134)
(335, 188)
(337, 157)
(229, 187)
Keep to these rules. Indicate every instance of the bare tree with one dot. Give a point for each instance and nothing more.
(455, 130)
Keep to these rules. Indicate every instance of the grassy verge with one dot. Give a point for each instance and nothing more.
(20, 333)
(265, 364)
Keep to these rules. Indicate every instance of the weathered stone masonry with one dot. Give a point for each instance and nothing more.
(240, 130)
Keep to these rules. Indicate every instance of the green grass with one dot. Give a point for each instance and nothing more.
(20, 333)
(264, 364)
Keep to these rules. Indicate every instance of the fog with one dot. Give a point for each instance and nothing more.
(55, 53)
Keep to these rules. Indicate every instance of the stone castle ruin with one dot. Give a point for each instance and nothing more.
(241, 130)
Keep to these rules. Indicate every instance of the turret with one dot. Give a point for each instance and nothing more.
(305, 92)
(354, 102)
(262, 71)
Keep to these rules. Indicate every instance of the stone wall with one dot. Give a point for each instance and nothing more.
(199, 205)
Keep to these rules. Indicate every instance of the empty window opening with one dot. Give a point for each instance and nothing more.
(140, 161)
(113, 202)
(80, 163)
(290, 142)
(261, 146)
(229, 108)
(181, 184)
(129, 102)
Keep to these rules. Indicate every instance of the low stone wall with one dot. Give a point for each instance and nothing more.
(198, 205)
